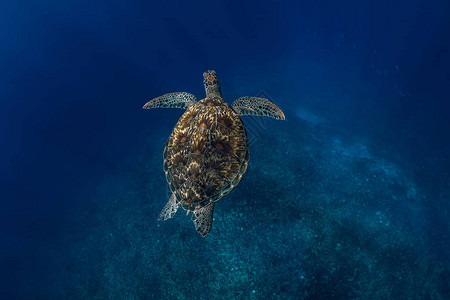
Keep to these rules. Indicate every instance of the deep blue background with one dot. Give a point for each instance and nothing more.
(75, 74)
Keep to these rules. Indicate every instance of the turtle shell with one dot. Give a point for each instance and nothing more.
(206, 154)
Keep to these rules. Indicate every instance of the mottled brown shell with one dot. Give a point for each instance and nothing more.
(206, 154)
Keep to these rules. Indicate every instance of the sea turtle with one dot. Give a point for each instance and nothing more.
(207, 152)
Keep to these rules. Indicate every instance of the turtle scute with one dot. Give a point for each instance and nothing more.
(182, 133)
(192, 194)
(225, 165)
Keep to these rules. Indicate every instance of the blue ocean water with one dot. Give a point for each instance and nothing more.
(348, 198)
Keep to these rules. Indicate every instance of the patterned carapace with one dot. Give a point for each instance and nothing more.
(207, 152)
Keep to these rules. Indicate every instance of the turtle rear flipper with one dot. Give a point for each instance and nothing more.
(170, 209)
(177, 100)
(257, 107)
(203, 219)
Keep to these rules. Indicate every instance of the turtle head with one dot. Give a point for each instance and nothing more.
(211, 82)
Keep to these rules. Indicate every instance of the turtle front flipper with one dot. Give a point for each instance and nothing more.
(203, 219)
(257, 107)
(170, 209)
(178, 100)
